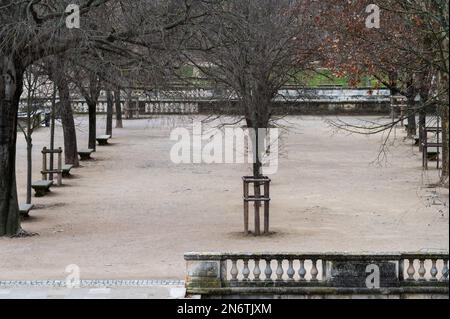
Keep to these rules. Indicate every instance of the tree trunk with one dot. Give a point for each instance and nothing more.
(68, 123)
(92, 125)
(29, 141)
(445, 148)
(412, 125)
(109, 112)
(118, 104)
(422, 123)
(128, 105)
(411, 109)
(255, 145)
(11, 86)
(29, 166)
(253, 124)
(444, 112)
(52, 130)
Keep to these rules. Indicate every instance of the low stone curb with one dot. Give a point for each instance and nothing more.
(89, 283)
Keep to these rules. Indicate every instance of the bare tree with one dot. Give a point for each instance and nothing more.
(89, 85)
(408, 54)
(36, 85)
(252, 49)
(32, 30)
(57, 70)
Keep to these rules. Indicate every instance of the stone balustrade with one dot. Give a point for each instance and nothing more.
(174, 107)
(317, 274)
(145, 107)
(209, 100)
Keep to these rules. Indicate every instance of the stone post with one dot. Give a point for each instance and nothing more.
(204, 271)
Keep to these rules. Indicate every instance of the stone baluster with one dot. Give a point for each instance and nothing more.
(314, 270)
(257, 270)
(291, 271)
(422, 270)
(302, 271)
(280, 270)
(445, 271)
(246, 270)
(401, 270)
(434, 270)
(268, 270)
(234, 270)
(411, 270)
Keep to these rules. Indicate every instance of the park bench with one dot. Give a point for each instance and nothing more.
(432, 151)
(85, 155)
(66, 170)
(103, 139)
(24, 209)
(41, 187)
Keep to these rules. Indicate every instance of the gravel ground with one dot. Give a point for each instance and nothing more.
(132, 214)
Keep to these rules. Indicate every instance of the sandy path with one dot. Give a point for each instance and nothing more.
(131, 213)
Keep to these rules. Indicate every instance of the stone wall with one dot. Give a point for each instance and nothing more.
(304, 108)
(318, 275)
(306, 101)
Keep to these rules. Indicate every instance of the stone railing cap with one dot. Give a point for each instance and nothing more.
(315, 255)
